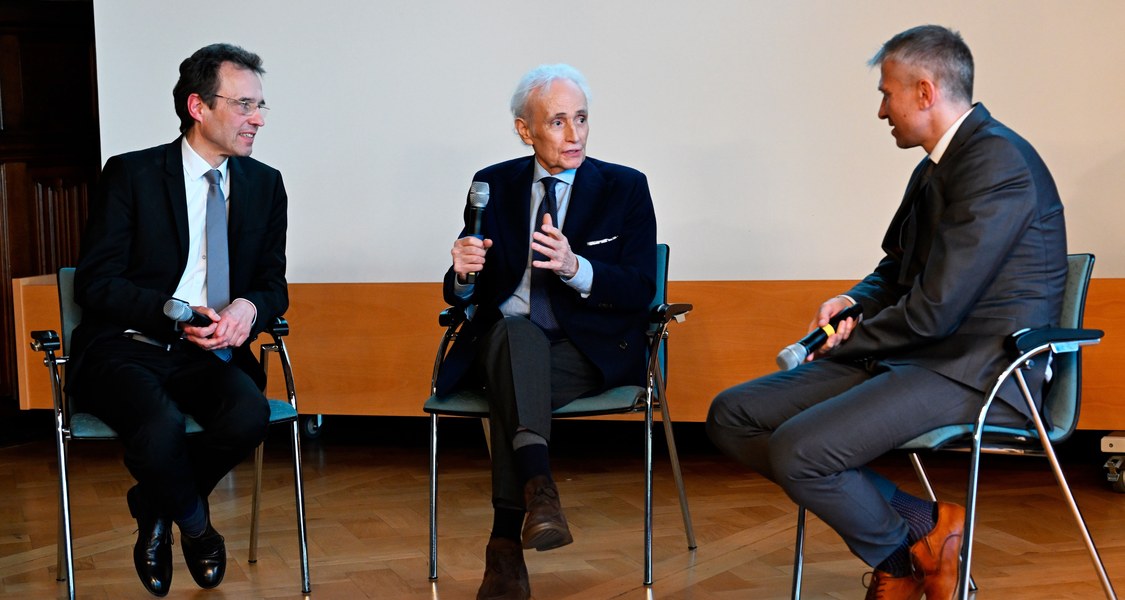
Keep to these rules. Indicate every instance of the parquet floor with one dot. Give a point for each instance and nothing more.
(366, 492)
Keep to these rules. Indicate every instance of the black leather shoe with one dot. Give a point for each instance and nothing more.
(206, 557)
(152, 555)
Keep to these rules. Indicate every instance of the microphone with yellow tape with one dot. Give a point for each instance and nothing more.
(795, 354)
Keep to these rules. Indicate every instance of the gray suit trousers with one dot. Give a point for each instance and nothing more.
(813, 429)
(526, 376)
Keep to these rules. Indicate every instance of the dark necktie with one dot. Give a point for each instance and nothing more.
(908, 235)
(218, 264)
(540, 301)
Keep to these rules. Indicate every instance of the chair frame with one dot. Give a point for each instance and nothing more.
(650, 398)
(979, 437)
(48, 342)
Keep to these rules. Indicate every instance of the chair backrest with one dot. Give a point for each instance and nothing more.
(1062, 400)
(69, 312)
(661, 297)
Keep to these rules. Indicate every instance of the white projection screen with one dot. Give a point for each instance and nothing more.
(754, 120)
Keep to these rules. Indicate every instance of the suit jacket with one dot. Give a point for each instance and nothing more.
(989, 258)
(134, 250)
(610, 222)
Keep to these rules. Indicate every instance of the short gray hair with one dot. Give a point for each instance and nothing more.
(541, 77)
(937, 49)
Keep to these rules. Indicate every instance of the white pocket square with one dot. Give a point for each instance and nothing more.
(596, 242)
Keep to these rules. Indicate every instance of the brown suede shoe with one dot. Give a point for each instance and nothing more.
(937, 556)
(545, 526)
(884, 586)
(505, 574)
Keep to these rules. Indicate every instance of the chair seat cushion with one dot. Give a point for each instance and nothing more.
(472, 403)
(84, 426)
(944, 436)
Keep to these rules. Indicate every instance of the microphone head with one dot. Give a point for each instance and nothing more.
(791, 356)
(177, 310)
(478, 194)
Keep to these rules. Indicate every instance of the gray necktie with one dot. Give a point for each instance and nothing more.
(540, 301)
(218, 264)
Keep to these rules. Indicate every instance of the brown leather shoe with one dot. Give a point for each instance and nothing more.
(937, 556)
(505, 574)
(545, 526)
(884, 586)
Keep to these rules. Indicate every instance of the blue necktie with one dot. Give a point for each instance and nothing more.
(218, 263)
(540, 309)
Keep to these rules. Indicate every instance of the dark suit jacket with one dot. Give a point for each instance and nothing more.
(610, 222)
(134, 250)
(989, 259)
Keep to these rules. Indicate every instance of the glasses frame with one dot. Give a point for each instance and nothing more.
(245, 106)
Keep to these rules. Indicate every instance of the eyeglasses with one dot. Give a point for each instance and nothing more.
(246, 107)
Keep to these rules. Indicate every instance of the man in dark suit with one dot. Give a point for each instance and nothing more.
(565, 271)
(976, 251)
(158, 229)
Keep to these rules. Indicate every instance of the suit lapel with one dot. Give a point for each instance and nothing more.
(238, 210)
(176, 195)
(514, 222)
(588, 185)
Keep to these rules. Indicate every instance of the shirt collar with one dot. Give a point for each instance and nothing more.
(195, 166)
(566, 176)
(943, 143)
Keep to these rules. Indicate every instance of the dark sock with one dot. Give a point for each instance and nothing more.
(919, 514)
(898, 563)
(507, 523)
(194, 523)
(532, 461)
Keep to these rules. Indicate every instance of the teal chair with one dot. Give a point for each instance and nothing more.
(626, 399)
(72, 425)
(1061, 401)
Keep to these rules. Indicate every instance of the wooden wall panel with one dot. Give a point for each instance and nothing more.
(368, 348)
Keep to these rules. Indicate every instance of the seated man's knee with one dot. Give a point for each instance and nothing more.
(725, 424)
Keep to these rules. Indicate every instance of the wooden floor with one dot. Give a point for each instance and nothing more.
(366, 492)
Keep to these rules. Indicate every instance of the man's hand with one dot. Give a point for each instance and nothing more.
(468, 255)
(843, 328)
(229, 328)
(550, 242)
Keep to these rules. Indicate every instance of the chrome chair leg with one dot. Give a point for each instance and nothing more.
(66, 544)
(648, 489)
(673, 455)
(255, 502)
(1049, 450)
(299, 492)
(433, 496)
(799, 554)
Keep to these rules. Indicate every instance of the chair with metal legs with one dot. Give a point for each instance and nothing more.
(1062, 346)
(626, 399)
(71, 425)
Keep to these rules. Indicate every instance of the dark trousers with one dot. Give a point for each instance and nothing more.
(144, 391)
(526, 376)
(811, 430)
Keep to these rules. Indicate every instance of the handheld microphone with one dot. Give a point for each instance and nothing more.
(478, 199)
(182, 312)
(795, 354)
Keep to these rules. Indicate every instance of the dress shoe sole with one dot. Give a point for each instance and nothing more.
(546, 536)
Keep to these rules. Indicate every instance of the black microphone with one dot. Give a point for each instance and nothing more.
(795, 354)
(478, 199)
(182, 312)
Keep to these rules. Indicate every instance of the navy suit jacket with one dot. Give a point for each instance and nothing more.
(135, 246)
(610, 222)
(989, 258)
